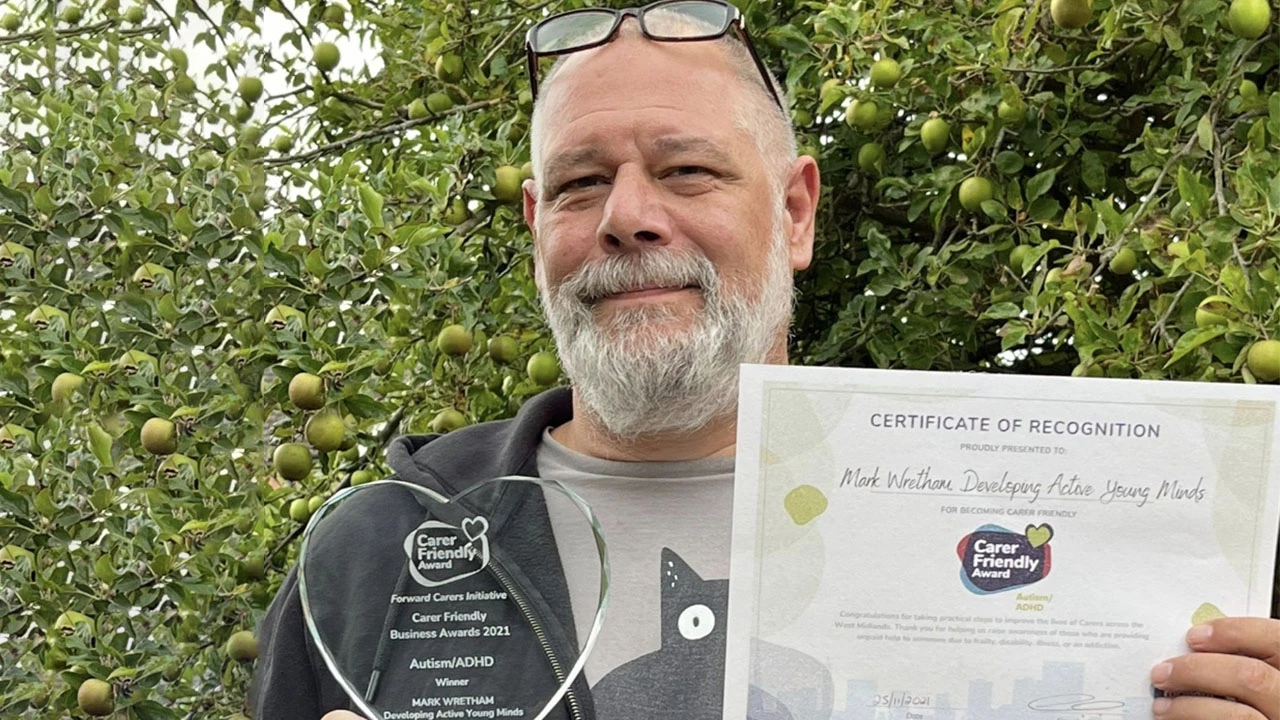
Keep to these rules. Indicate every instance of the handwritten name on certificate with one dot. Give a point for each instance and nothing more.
(946, 546)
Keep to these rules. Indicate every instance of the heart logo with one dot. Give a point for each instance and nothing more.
(436, 553)
(394, 573)
(475, 527)
(1205, 613)
(1040, 535)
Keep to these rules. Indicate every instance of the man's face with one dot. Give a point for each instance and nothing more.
(656, 225)
(642, 153)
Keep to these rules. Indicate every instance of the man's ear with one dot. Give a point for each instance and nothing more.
(801, 193)
(530, 196)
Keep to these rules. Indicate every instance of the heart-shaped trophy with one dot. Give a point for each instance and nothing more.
(426, 607)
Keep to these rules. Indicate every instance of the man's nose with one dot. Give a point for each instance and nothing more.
(634, 214)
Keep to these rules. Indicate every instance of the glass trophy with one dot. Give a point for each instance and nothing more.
(426, 607)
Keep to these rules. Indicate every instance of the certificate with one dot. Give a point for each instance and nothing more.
(917, 545)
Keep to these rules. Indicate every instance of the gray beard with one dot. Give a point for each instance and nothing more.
(639, 379)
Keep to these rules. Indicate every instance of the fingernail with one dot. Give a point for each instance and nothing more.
(1161, 705)
(1199, 634)
(1161, 672)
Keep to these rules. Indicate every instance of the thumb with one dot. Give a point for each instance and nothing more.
(341, 715)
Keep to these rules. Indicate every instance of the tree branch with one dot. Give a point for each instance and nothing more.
(1217, 172)
(392, 129)
(1151, 195)
(285, 118)
(62, 33)
(515, 27)
(172, 23)
(200, 11)
(523, 12)
(1213, 112)
(1222, 207)
(289, 93)
(1160, 324)
(305, 35)
(355, 100)
(1111, 60)
(897, 218)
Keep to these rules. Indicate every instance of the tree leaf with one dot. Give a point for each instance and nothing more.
(1092, 171)
(1040, 184)
(1194, 339)
(1015, 332)
(100, 442)
(1193, 192)
(1002, 311)
(1044, 210)
(371, 205)
(1009, 162)
(1204, 133)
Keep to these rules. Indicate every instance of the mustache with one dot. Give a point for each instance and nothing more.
(616, 274)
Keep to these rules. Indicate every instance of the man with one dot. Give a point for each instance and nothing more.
(669, 211)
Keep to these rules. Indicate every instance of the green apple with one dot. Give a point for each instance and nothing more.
(447, 420)
(306, 391)
(454, 340)
(1124, 261)
(250, 89)
(1264, 360)
(974, 191)
(1214, 310)
(935, 133)
(438, 102)
(326, 56)
(325, 431)
(1072, 14)
(242, 646)
(96, 697)
(885, 73)
(1249, 18)
(292, 461)
(508, 186)
(543, 368)
(64, 386)
(159, 436)
(449, 68)
(863, 114)
(503, 349)
(871, 157)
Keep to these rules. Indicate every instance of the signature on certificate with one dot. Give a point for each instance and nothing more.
(1078, 707)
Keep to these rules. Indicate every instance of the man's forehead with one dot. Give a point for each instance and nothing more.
(643, 67)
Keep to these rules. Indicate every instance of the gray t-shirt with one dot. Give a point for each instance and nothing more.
(667, 526)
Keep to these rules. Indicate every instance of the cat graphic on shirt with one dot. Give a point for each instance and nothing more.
(685, 678)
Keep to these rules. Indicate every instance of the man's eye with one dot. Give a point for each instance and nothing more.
(690, 170)
(580, 183)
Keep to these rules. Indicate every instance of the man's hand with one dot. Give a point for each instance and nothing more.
(1231, 658)
(341, 715)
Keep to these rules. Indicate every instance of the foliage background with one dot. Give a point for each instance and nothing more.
(114, 156)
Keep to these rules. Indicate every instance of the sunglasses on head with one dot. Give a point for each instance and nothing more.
(664, 21)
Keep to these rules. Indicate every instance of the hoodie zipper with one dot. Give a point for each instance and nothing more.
(575, 709)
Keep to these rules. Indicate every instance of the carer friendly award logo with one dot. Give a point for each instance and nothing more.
(440, 553)
(994, 559)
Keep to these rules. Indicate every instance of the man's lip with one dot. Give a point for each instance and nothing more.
(647, 293)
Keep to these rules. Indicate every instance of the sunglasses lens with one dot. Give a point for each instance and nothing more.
(567, 32)
(687, 19)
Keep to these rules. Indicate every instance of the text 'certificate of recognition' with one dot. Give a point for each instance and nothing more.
(914, 545)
